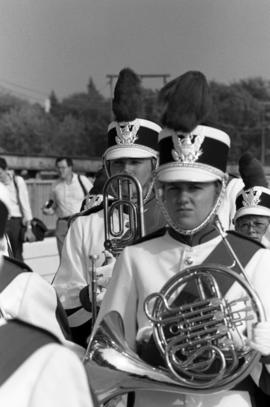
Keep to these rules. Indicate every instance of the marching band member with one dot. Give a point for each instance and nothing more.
(132, 149)
(39, 366)
(252, 217)
(190, 184)
(36, 369)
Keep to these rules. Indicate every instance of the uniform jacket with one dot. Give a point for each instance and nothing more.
(143, 269)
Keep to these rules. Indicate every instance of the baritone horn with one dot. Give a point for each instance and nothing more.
(126, 209)
(198, 330)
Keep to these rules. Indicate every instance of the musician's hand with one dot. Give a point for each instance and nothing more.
(29, 236)
(100, 294)
(92, 201)
(144, 334)
(104, 274)
(261, 338)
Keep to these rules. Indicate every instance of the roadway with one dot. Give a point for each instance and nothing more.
(42, 257)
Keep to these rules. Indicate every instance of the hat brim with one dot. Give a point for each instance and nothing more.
(134, 151)
(188, 174)
(252, 210)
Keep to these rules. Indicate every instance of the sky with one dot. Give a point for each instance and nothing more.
(58, 45)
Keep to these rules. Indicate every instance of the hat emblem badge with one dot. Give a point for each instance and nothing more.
(127, 132)
(187, 147)
(251, 198)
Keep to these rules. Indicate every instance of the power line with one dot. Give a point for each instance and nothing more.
(21, 94)
(39, 92)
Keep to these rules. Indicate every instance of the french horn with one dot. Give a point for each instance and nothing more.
(198, 330)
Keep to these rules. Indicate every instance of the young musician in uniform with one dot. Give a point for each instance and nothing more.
(190, 184)
(132, 149)
(36, 366)
(252, 217)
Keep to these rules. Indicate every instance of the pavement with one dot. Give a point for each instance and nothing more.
(42, 257)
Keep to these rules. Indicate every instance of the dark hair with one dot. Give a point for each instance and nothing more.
(67, 159)
(3, 163)
(185, 101)
(100, 179)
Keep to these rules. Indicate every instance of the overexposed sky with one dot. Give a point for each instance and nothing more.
(57, 45)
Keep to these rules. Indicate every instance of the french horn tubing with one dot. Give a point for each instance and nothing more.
(201, 337)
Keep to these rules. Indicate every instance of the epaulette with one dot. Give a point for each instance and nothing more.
(10, 269)
(89, 211)
(20, 340)
(157, 233)
(244, 237)
(17, 263)
(86, 212)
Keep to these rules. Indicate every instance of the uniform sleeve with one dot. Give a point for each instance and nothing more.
(25, 201)
(61, 381)
(72, 274)
(261, 283)
(121, 296)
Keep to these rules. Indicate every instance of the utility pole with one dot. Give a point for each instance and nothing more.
(111, 78)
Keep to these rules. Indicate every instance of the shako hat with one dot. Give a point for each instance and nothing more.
(189, 150)
(254, 199)
(129, 135)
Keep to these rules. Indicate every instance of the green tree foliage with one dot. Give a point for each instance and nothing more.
(77, 125)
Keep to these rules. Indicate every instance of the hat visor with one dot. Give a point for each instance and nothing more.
(188, 174)
(252, 210)
(116, 152)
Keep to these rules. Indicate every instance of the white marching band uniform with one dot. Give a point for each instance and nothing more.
(52, 374)
(86, 237)
(74, 271)
(143, 269)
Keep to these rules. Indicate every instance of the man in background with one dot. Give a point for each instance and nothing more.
(20, 210)
(66, 197)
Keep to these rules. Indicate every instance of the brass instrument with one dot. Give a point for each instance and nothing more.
(124, 210)
(201, 340)
(93, 258)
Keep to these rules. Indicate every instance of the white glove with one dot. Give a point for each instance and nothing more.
(100, 294)
(104, 274)
(261, 338)
(92, 201)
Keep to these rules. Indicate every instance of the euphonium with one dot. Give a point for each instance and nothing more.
(123, 222)
(126, 209)
(201, 341)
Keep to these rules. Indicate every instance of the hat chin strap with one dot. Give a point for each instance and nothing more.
(205, 222)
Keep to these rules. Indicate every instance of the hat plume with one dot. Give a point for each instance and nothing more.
(127, 101)
(186, 101)
(252, 171)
